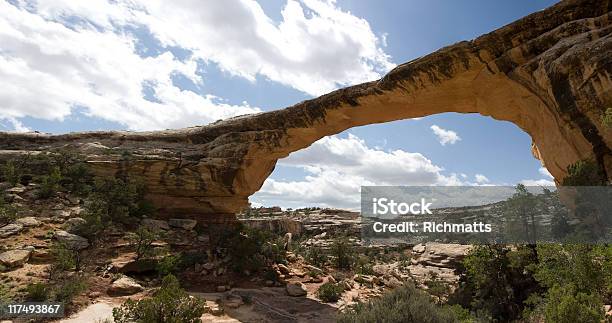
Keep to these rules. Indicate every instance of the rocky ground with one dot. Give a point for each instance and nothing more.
(114, 274)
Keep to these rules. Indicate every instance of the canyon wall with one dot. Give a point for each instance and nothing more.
(549, 73)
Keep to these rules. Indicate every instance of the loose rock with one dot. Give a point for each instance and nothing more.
(296, 289)
(125, 286)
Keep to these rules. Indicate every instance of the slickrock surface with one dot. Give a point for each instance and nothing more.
(549, 73)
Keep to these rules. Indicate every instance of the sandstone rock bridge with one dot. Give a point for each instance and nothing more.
(549, 73)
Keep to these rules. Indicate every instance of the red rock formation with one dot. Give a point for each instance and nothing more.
(549, 73)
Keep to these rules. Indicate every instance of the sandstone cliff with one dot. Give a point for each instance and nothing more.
(549, 73)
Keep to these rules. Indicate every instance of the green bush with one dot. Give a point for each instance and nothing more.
(11, 172)
(168, 265)
(364, 266)
(567, 305)
(343, 253)
(118, 200)
(498, 280)
(143, 240)
(37, 292)
(8, 213)
(330, 292)
(403, 304)
(584, 173)
(65, 258)
(436, 286)
(251, 249)
(66, 289)
(170, 304)
(50, 184)
(316, 256)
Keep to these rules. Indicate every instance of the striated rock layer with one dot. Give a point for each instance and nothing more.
(549, 73)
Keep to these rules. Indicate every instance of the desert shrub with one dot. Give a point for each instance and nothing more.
(577, 277)
(170, 304)
(567, 305)
(436, 286)
(584, 173)
(65, 258)
(93, 226)
(37, 292)
(364, 265)
(50, 184)
(65, 290)
(251, 249)
(316, 256)
(343, 253)
(118, 200)
(403, 304)
(8, 213)
(498, 280)
(330, 292)
(143, 240)
(11, 172)
(168, 265)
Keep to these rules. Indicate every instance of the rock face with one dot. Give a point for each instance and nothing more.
(15, 258)
(549, 73)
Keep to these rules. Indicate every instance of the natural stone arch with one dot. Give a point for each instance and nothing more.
(548, 73)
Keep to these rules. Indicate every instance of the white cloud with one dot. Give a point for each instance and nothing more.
(60, 54)
(47, 69)
(545, 172)
(537, 182)
(445, 136)
(481, 179)
(315, 48)
(337, 167)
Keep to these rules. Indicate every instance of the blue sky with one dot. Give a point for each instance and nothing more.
(144, 65)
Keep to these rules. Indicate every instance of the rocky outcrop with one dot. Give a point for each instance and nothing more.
(549, 73)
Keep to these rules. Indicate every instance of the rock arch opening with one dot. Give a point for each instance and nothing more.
(444, 149)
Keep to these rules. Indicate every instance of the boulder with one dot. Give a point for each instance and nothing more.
(28, 221)
(185, 224)
(15, 258)
(72, 224)
(10, 229)
(155, 224)
(71, 241)
(443, 255)
(125, 286)
(296, 289)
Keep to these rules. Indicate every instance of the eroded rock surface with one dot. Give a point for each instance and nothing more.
(549, 73)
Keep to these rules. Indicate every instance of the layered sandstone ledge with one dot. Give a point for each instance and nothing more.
(549, 73)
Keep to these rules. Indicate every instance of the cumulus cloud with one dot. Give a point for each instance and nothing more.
(481, 179)
(57, 55)
(337, 167)
(315, 48)
(47, 69)
(445, 136)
